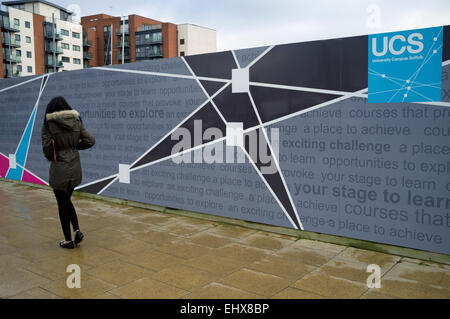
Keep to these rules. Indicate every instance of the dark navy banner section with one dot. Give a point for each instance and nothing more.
(281, 135)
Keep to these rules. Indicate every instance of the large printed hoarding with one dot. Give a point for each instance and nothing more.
(282, 135)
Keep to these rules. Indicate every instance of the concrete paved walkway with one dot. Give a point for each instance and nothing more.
(136, 253)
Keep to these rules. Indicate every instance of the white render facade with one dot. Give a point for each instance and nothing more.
(194, 39)
(25, 37)
(69, 44)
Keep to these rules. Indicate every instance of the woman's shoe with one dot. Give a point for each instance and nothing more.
(68, 245)
(78, 237)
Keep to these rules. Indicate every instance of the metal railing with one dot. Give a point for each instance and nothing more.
(126, 57)
(119, 32)
(49, 35)
(13, 75)
(14, 43)
(59, 64)
(87, 43)
(126, 44)
(149, 27)
(12, 59)
(87, 56)
(49, 48)
(10, 27)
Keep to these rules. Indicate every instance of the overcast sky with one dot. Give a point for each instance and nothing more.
(251, 23)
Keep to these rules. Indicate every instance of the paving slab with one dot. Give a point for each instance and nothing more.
(131, 252)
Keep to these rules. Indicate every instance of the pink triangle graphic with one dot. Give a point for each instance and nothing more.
(27, 177)
(4, 165)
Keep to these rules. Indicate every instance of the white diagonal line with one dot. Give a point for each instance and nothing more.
(435, 103)
(412, 87)
(180, 76)
(204, 91)
(26, 125)
(101, 191)
(315, 107)
(94, 182)
(28, 171)
(178, 154)
(260, 56)
(22, 83)
(275, 159)
(269, 188)
(235, 59)
(179, 124)
(45, 80)
(301, 88)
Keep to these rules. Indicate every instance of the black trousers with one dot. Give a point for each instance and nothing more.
(67, 214)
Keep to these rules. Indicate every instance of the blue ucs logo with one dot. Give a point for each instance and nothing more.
(405, 66)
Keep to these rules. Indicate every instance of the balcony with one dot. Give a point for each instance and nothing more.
(126, 57)
(6, 26)
(49, 49)
(149, 27)
(49, 35)
(126, 44)
(13, 75)
(119, 32)
(12, 59)
(87, 43)
(156, 54)
(13, 43)
(87, 56)
(59, 64)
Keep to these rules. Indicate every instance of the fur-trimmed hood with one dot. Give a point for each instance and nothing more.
(64, 119)
(62, 114)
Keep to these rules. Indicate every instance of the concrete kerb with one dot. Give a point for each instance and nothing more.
(299, 234)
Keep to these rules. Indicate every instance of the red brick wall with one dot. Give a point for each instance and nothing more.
(39, 52)
(170, 45)
(169, 34)
(92, 36)
(96, 37)
(134, 23)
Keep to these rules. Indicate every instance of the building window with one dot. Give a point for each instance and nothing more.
(181, 41)
(64, 32)
(16, 22)
(29, 54)
(29, 69)
(19, 68)
(181, 53)
(76, 35)
(28, 39)
(76, 61)
(65, 46)
(27, 24)
(18, 37)
(18, 53)
(75, 47)
(65, 59)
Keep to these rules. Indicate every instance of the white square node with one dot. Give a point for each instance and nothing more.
(124, 173)
(12, 161)
(239, 80)
(235, 134)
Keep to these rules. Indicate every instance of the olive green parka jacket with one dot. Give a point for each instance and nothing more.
(69, 135)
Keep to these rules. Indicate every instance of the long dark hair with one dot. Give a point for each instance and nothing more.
(57, 104)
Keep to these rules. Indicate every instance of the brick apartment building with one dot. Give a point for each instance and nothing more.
(144, 38)
(38, 37)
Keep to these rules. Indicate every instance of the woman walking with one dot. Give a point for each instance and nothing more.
(63, 134)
